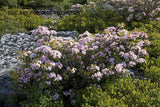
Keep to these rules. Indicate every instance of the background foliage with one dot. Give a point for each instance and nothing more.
(18, 20)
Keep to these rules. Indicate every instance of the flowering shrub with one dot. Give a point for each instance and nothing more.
(137, 9)
(59, 67)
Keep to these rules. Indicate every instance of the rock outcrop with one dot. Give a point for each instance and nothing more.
(10, 45)
(9, 48)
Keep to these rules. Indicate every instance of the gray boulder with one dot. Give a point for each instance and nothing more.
(67, 34)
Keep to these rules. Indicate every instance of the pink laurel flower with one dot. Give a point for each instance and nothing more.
(111, 72)
(141, 60)
(94, 67)
(43, 58)
(143, 52)
(26, 75)
(52, 32)
(112, 61)
(32, 55)
(44, 49)
(51, 75)
(75, 50)
(59, 65)
(132, 64)
(58, 78)
(105, 70)
(97, 75)
(118, 67)
(55, 54)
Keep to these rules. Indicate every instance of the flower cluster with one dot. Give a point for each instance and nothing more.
(43, 31)
(137, 9)
(101, 55)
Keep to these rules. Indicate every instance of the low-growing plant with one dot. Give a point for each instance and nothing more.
(152, 69)
(18, 20)
(120, 92)
(81, 23)
(92, 21)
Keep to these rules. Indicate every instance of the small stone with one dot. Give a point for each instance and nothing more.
(6, 53)
(14, 60)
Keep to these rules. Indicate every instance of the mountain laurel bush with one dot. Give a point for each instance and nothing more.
(137, 9)
(57, 68)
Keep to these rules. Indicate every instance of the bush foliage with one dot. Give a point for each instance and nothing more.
(123, 92)
(18, 20)
(92, 21)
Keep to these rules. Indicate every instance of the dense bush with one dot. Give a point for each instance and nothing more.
(152, 69)
(123, 92)
(92, 21)
(81, 23)
(38, 3)
(18, 20)
(10, 3)
(56, 63)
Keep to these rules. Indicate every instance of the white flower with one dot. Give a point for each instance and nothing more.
(97, 75)
(73, 70)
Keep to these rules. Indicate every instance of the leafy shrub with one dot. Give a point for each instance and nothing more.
(120, 92)
(92, 21)
(10, 3)
(59, 68)
(81, 23)
(152, 69)
(18, 20)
